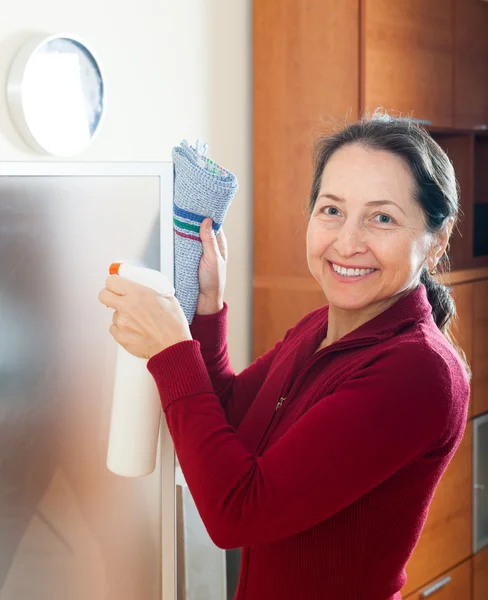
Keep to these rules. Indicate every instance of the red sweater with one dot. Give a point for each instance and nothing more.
(321, 466)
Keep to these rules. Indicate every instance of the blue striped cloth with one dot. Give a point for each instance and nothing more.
(201, 189)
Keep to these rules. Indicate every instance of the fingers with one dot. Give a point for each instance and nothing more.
(222, 244)
(110, 299)
(118, 320)
(213, 244)
(119, 285)
(209, 241)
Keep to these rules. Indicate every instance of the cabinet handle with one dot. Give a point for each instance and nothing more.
(435, 587)
(479, 486)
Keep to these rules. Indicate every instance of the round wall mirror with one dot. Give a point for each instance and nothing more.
(55, 93)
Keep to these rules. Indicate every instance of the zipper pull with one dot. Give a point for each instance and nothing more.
(280, 402)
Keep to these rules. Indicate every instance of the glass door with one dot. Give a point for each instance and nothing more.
(69, 528)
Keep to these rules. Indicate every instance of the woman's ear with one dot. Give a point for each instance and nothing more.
(440, 243)
(445, 235)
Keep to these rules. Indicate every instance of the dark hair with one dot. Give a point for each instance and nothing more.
(436, 189)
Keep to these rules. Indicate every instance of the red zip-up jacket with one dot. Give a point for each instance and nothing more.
(321, 466)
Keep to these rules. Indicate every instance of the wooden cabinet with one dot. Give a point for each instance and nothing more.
(446, 538)
(480, 348)
(480, 575)
(305, 72)
(462, 327)
(408, 58)
(279, 303)
(470, 63)
(456, 584)
(427, 58)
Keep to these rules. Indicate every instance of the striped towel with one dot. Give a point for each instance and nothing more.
(201, 189)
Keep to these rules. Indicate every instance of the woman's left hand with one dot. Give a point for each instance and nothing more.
(144, 322)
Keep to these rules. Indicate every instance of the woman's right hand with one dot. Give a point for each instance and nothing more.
(212, 270)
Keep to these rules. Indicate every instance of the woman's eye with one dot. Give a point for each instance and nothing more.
(331, 211)
(384, 219)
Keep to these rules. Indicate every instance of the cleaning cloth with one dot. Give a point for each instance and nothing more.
(202, 189)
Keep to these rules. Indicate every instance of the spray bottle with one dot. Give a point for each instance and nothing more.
(136, 408)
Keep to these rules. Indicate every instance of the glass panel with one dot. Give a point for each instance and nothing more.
(481, 482)
(68, 527)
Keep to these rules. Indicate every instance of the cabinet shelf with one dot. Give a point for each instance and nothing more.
(480, 230)
(456, 131)
(480, 210)
(468, 151)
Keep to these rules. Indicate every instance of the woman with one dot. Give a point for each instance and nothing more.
(321, 458)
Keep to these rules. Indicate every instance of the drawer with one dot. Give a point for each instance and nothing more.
(453, 585)
(446, 539)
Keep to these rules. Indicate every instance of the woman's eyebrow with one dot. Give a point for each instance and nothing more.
(370, 203)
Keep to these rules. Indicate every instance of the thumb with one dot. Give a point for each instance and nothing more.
(209, 241)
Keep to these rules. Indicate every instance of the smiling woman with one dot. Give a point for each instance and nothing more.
(383, 204)
(321, 458)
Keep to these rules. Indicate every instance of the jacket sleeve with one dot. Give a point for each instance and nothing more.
(370, 426)
(235, 392)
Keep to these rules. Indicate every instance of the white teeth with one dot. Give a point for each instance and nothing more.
(351, 272)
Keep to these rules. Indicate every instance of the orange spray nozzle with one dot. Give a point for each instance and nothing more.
(114, 268)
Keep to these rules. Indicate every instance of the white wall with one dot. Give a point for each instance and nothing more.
(174, 69)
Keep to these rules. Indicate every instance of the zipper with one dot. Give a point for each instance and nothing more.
(309, 362)
(277, 408)
(280, 402)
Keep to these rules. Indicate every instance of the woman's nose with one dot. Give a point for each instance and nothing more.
(350, 240)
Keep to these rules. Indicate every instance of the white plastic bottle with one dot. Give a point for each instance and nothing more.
(136, 408)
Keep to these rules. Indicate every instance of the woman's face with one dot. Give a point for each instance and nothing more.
(366, 225)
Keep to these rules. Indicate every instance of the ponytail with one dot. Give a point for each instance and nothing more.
(443, 310)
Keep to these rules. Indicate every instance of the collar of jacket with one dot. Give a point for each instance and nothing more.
(411, 309)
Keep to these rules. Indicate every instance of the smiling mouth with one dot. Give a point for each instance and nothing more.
(350, 272)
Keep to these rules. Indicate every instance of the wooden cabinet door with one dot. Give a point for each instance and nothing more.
(462, 328)
(480, 347)
(471, 63)
(456, 584)
(305, 71)
(279, 303)
(408, 58)
(480, 575)
(446, 538)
